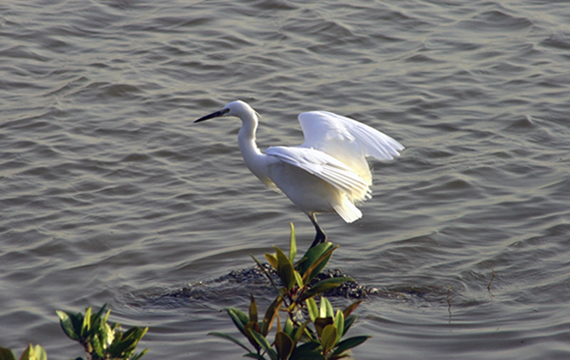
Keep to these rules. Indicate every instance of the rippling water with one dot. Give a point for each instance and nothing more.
(109, 192)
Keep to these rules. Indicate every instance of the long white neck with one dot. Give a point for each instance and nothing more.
(246, 139)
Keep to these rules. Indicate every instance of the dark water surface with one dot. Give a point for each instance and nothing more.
(109, 192)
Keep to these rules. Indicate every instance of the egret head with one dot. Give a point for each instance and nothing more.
(235, 108)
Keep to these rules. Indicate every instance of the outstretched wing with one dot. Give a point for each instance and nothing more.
(347, 140)
(326, 167)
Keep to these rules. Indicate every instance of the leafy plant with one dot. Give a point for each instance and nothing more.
(30, 353)
(319, 336)
(98, 338)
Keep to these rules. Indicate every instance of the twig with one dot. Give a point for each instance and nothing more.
(493, 278)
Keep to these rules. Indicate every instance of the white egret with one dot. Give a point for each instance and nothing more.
(327, 173)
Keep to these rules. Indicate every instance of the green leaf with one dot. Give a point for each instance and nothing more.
(106, 334)
(324, 286)
(285, 269)
(328, 338)
(254, 355)
(106, 317)
(293, 245)
(284, 345)
(349, 344)
(253, 310)
(326, 308)
(86, 327)
(312, 308)
(270, 315)
(272, 260)
(298, 279)
(348, 323)
(230, 338)
(267, 274)
(339, 324)
(29, 353)
(67, 324)
(130, 339)
(350, 308)
(97, 348)
(98, 321)
(6, 354)
(40, 353)
(307, 352)
(288, 328)
(299, 331)
(99, 314)
(135, 333)
(121, 349)
(311, 256)
(322, 322)
(315, 266)
(248, 329)
(251, 326)
(238, 317)
(139, 355)
(262, 341)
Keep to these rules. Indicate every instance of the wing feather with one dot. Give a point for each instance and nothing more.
(326, 168)
(347, 140)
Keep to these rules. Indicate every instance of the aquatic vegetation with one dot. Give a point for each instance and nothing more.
(30, 353)
(100, 340)
(320, 336)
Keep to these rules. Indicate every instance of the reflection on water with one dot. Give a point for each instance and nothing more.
(108, 193)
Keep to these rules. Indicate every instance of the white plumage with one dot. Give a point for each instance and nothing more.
(327, 173)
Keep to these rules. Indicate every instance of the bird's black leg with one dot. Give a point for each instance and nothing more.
(321, 236)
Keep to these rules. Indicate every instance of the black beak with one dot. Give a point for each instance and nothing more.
(211, 116)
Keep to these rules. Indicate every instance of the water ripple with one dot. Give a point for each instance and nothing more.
(107, 188)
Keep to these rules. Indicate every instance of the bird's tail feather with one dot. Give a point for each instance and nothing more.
(348, 211)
